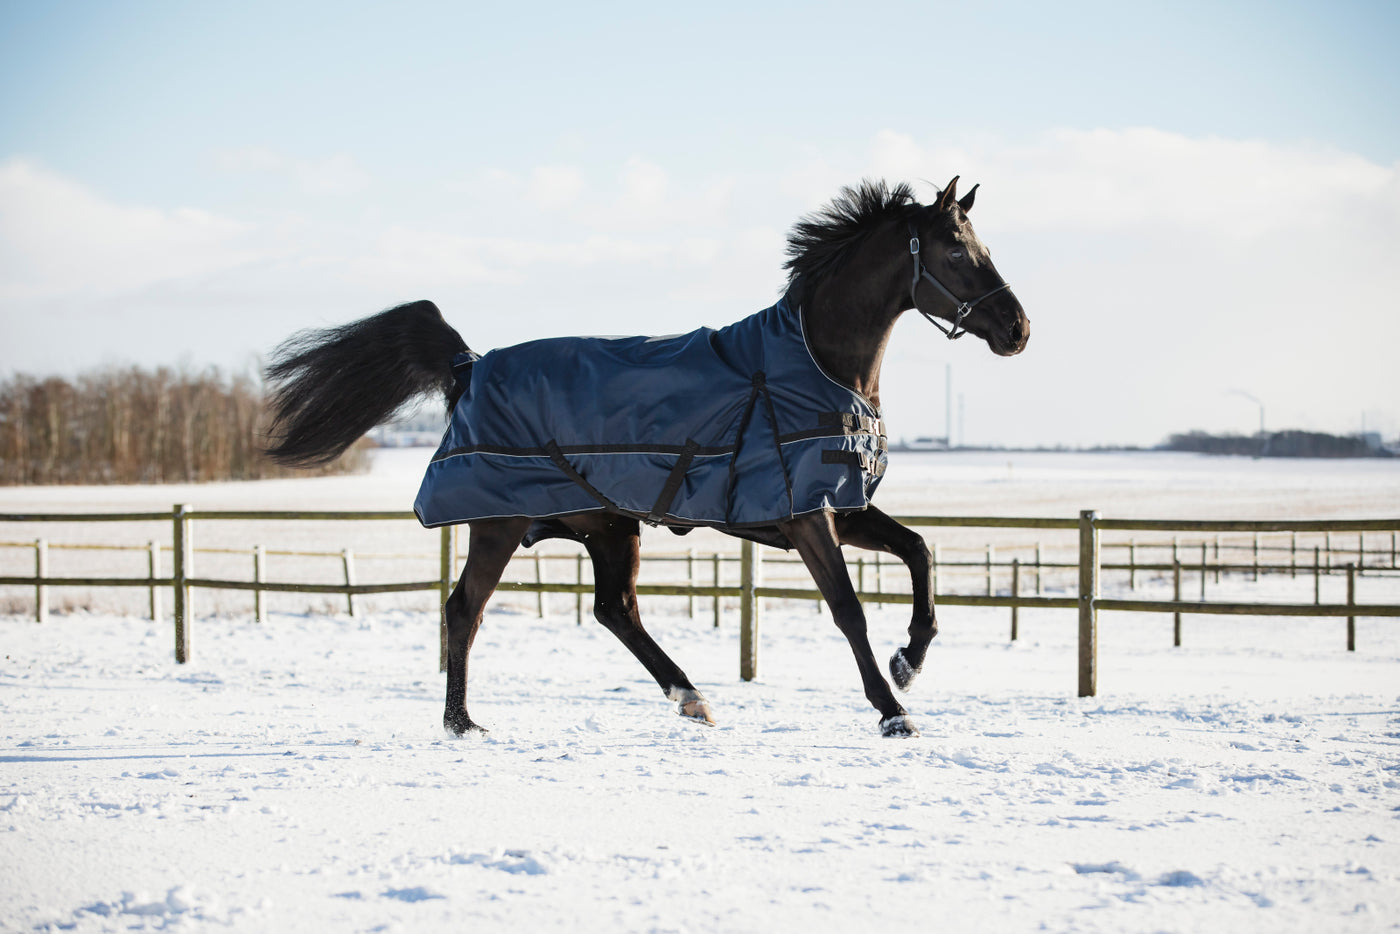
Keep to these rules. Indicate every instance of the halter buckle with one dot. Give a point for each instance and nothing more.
(914, 246)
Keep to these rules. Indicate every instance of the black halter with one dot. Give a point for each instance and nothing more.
(963, 308)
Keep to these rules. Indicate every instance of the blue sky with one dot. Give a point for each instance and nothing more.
(187, 183)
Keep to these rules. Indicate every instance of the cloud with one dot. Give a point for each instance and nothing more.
(1114, 180)
(58, 237)
(335, 175)
(555, 186)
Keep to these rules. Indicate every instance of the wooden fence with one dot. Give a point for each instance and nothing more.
(750, 589)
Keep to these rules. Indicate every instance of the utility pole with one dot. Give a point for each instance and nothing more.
(1251, 398)
(948, 405)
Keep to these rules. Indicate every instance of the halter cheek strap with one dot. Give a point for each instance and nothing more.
(963, 308)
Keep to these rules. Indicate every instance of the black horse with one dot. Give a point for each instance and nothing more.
(854, 268)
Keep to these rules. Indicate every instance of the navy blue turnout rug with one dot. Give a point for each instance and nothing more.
(737, 427)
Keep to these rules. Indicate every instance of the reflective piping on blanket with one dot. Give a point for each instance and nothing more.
(825, 431)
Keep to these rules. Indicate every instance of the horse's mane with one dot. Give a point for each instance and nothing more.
(821, 242)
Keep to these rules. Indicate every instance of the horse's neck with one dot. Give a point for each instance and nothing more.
(850, 316)
(850, 344)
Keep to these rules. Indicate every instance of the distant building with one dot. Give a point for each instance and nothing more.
(921, 444)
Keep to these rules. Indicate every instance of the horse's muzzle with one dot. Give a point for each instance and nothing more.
(1012, 340)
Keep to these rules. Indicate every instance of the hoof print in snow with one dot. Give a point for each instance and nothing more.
(901, 671)
(900, 726)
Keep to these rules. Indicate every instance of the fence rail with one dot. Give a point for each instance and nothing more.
(750, 588)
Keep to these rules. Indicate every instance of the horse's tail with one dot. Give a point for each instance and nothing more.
(331, 386)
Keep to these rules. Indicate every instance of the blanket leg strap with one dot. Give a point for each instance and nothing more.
(673, 483)
(560, 461)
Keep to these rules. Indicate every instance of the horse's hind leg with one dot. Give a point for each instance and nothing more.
(614, 545)
(492, 543)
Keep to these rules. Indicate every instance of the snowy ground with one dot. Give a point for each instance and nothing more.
(293, 777)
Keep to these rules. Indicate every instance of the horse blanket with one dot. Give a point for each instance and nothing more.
(737, 428)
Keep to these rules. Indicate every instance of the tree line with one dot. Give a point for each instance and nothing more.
(132, 425)
(1276, 444)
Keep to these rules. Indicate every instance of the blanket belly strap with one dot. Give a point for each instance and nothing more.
(857, 459)
(560, 461)
(673, 482)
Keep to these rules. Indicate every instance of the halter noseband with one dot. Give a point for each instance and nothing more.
(963, 309)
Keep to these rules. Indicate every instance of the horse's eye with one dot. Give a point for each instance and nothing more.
(955, 255)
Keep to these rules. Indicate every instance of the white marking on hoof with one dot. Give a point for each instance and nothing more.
(901, 671)
(692, 705)
(900, 726)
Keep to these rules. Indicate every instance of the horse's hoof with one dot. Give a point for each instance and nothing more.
(697, 710)
(690, 704)
(900, 726)
(459, 724)
(901, 671)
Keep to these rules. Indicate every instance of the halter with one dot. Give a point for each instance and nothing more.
(963, 309)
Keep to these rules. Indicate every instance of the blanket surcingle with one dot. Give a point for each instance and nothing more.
(736, 428)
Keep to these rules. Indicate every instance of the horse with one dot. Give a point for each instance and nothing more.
(758, 465)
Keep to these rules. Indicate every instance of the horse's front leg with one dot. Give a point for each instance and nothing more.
(815, 538)
(872, 530)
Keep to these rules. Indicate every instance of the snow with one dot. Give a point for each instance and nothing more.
(294, 775)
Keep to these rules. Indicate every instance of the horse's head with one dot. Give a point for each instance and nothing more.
(954, 279)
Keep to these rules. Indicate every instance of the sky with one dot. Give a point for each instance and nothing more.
(1198, 204)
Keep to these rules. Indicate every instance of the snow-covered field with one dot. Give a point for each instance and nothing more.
(293, 776)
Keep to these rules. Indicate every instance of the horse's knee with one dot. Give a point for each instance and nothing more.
(615, 615)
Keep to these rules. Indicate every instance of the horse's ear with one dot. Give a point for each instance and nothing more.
(965, 202)
(949, 195)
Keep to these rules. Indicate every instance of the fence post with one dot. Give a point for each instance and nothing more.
(190, 570)
(445, 572)
(1176, 597)
(257, 579)
(718, 574)
(539, 594)
(41, 570)
(1361, 552)
(1203, 572)
(1256, 557)
(989, 571)
(1015, 592)
(1293, 555)
(578, 597)
(1037, 569)
(1351, 601)
(1217, 559)
(181, 592)
(1317, 576)
(936, 549)
(690, 578)
(347, 558)
(1132, 564)
(748, 616)
(1328, 541)
(1088, 596)
(153, 563)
